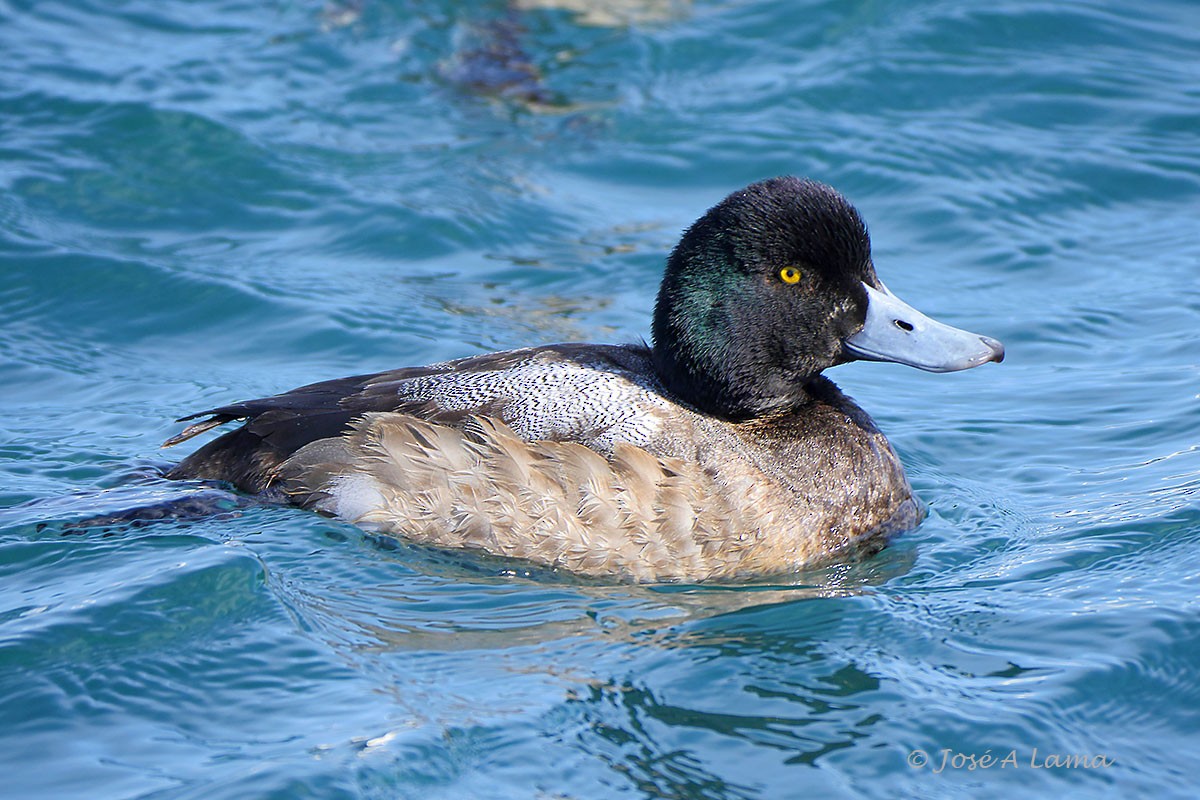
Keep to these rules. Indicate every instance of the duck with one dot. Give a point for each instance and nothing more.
(718, 452)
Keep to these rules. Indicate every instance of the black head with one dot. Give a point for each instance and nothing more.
(759, 295)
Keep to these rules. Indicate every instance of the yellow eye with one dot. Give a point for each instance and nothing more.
(789, 275)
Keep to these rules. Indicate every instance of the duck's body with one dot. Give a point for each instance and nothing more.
(720, 453)
(572, 455)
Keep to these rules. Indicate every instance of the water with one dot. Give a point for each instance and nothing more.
(203, 203)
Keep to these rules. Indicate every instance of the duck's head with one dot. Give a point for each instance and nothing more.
(774, 284)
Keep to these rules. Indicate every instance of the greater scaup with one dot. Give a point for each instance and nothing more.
(720, 452)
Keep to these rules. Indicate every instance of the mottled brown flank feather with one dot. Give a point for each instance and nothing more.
(482, 487)
(632, 514)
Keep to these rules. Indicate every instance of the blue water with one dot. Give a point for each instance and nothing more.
(205, 202)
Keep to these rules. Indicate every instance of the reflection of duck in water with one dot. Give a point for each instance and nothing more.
(493, 60)
(489, 59)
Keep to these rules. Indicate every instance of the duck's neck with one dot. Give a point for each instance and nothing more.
(724, 385)
(730, 402)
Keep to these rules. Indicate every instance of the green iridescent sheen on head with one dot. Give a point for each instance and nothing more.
(733, 338)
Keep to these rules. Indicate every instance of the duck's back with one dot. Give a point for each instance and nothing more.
(592, 394)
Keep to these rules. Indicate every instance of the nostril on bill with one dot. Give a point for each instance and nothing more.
(902, 325)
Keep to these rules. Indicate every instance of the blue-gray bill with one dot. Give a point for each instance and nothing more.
(895, 331)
